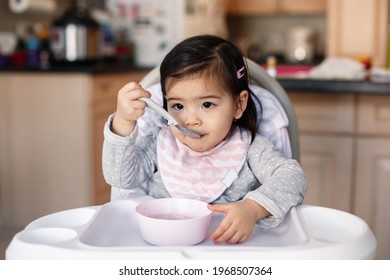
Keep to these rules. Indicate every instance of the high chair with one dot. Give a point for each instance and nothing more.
(111, 231)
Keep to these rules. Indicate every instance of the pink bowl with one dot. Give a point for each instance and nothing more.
(173, 221)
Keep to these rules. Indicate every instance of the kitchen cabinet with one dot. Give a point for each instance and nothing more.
(44, 151)
(357, 27)
(3, 163)
(51, 140)
(372, 192)
(326, 126)
(264, 7)
(353, 28)
(252, 7)
(372, 189)
(327, 162)
(105, 90)
(345, 140)
(302, 6)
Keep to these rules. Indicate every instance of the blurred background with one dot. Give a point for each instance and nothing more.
(63, 62)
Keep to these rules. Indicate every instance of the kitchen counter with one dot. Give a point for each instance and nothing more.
(335, 86)
(86, 68)
(288, 83)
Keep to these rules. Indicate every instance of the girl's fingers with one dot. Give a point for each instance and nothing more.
(133, 91)
(232, 236)
(224, 231)
(237, 236)
(243, 238)
(224, 207)
(131, 86)
(222, 234)
(138, 104)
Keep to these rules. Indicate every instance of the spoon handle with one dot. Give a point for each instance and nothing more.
(171, 121)
(159, 110)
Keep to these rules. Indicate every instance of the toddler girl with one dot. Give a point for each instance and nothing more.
(204, 84)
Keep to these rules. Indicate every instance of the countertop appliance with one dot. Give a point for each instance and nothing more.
(300, 45)
(75, 36)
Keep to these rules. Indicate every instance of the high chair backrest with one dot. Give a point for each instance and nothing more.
(277, 120)
(262, 79)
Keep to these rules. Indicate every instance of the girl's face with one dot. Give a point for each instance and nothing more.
(202, 106)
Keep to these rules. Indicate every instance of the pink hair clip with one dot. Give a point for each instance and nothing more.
(241, 72)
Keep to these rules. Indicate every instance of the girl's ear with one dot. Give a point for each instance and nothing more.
(241, 104)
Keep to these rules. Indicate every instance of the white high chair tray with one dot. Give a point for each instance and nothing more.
(111, 232)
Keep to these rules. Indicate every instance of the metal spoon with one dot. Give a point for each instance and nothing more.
(171, 121)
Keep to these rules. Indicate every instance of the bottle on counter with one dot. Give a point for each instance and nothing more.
(32, 49)
(44, 50)
(19, 55)
(271, 66)
(8, 41)
(124, 47)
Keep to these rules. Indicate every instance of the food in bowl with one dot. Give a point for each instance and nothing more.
(173, 221)
(173, 216)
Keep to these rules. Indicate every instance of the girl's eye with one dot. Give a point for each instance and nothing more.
(178, 106)
(208, 105)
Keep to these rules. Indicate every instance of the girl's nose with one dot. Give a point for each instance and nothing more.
(192, 120)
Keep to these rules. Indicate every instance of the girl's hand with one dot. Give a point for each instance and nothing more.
(240, 219)
(129, 108)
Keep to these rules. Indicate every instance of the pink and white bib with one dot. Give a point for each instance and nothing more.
(201, 175)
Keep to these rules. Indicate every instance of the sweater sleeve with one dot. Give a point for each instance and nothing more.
(126, 165)
(283, 183)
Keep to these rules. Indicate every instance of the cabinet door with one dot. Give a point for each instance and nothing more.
(302, 6)
(327, 163)
(101, 190)
(357, 27)
(373, 190)
(258, 7)
(326, 125)
(374, 115)
(105, 90)
(3, 146)
(46, 145)
(252, 7)
(323, 112)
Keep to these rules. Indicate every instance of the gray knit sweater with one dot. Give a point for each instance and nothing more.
(267, 177)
